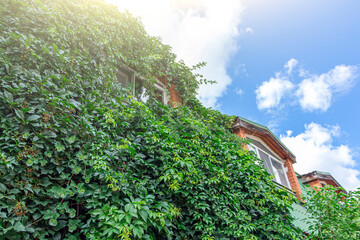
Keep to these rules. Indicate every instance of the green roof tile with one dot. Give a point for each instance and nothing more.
(300, 216)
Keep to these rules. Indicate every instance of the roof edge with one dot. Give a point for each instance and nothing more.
(271, 134)
(319, 177)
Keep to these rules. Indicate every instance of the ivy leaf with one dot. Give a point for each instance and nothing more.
(72, 213)
(2, 188)
(49, 214)
(36, 216)
(19, 113)
(49, 134)
(138, 232)
(74, 103)
(8, 96)
(45, 182)
(144, 215)
(61, 224)
(33, 117)
(76, 170)
(55, 47)
(128, 218)
(19, 227)
(53, 222)
(72, 225)
(128, 207)
(59, 147)
(71, 139)
(29, 162)
(30, 230)
(3, 215)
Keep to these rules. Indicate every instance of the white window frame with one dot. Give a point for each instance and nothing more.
(133, 76)
(276, 174)
(162, 88)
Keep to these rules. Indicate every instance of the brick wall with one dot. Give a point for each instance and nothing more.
(315, 183)
(240, 132)
(294, 182)
(174, 95)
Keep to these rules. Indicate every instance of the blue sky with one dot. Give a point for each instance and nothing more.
(320, 35)
(291, 65)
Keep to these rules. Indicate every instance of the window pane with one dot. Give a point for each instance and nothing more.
(263, 156)
(123, 78)
(279, 172)
(251, 148)
(262, 147)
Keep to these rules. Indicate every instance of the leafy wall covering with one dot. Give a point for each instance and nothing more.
(81, 159)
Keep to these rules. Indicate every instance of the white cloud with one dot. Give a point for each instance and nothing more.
(312, 93)
(316, 92)
(290, 65)
(249, 30)
(270, 93)
(239, 91)
(341, 78)
(197, 30)
(240, 70)
(314, 150)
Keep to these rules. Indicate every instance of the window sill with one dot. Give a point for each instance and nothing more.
(290, 191)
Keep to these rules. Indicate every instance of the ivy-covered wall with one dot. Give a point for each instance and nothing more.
(81, 159)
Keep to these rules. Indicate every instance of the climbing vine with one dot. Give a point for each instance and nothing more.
(81, 158)
(335, 214)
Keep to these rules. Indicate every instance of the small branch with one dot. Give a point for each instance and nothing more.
(51, 210)
(33, 222)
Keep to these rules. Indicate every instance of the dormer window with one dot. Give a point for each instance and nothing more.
(271, 162)
(130, 80)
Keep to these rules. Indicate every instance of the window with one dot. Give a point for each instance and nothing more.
(125, 78)
(272, 164)
(129, 80)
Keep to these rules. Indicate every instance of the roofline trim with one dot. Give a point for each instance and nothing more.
(237, 124)
(319, 177)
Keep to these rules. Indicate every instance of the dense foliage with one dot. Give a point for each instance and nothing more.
(334, 214)
(80, 158)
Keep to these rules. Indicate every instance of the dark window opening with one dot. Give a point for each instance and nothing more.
(124, 78)
(139, 87)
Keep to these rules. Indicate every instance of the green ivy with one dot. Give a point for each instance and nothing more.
(335, 214)
(80, 158)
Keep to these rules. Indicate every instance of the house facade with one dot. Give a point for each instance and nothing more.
(278, 161)
(276, 157)
(319, 179)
